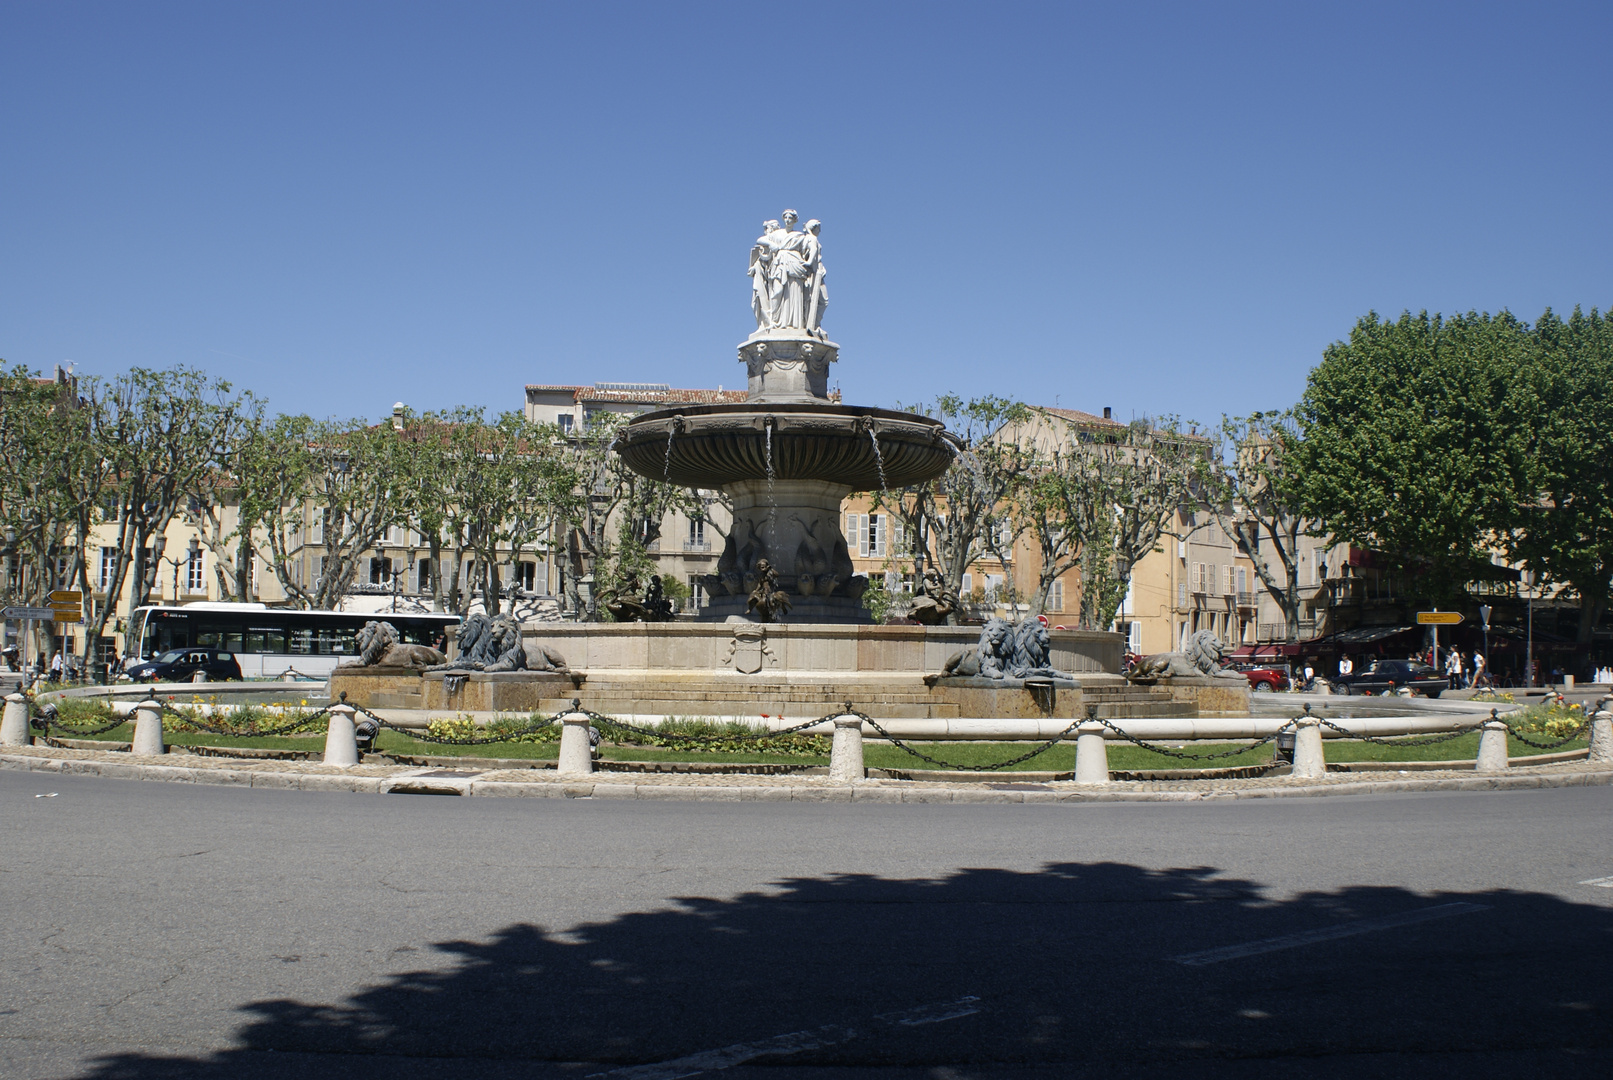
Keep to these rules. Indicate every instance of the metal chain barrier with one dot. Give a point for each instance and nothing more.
(1042, 749)
(611, 722)
(300, 721)
(1182, 755)
(1403, 740)
(454, 740)
(46, 718)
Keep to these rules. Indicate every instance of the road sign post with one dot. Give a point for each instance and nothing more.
(1437, 619)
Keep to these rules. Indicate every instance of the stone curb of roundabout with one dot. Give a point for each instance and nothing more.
(520, 783)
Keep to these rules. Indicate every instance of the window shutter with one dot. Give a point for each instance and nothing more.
(900, 537)
(862, 534)
(877, 536)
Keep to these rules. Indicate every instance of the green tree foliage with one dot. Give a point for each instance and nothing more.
(1408, 445)
(1564, 402)
(1099, 497)
(965, 515)
(336, 483)
(612, 502)
(1247, 482)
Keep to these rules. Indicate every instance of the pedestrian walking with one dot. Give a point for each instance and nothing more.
(1481, 674)
(1346, 667)
(1453, 667)
(56, 667)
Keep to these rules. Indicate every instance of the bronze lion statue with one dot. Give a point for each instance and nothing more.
(378, 646)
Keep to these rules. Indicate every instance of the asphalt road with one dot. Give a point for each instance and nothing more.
(164, 930)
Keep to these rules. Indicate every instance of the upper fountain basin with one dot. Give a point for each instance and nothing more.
(713, 445)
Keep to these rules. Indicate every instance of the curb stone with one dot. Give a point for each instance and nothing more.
(399, 780)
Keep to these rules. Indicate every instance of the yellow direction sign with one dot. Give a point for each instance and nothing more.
(1439, 618)
(66, 598)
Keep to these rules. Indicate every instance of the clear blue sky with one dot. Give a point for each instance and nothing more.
(1158, 207)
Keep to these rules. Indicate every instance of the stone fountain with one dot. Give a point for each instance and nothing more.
(788, 456)
(785, 636)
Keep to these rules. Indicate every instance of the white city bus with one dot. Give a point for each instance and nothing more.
(271, 642)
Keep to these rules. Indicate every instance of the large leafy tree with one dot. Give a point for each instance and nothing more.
(611, 502)
(1564, 401)
(967, 513)
(47, 462)
(1100, 497)
(1247, 482)
(336, 483)
(154, 435)
(1409, 445)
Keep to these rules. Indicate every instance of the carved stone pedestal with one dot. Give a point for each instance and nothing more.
(787, 366)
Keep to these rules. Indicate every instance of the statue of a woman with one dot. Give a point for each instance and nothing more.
(761, 263)
(818, 286)
(789, 277)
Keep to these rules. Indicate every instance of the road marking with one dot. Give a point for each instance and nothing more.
(738, 1054)
(793, 1043)
(1330, 933)
(1600, 882)
(932, 1014)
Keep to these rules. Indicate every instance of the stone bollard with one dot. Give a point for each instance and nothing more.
(1601, 737)
(148, 730)
(14, 728)
(846, 752)
(1091, 754)
(576, 752)
(341, 737)
(1493, 746)
(1310, 763)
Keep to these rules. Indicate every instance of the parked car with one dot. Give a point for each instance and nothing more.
(1391, 675)
(1263, 679)
(181, 665)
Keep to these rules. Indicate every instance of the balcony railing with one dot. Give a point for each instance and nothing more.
(702, 547)
(1246, 599)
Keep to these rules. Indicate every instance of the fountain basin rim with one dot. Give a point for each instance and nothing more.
(716, 445)
(782, 409)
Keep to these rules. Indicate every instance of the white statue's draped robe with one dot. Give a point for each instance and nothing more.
(786, 272)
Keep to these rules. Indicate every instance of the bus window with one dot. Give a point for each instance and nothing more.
(264, 640)
(334, 641)
(208, 636)
(302, 641)
(165, 634)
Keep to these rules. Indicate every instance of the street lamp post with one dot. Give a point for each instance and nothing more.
(177, 561)
(1528, 580)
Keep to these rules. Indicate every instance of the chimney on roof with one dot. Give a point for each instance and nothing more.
(397, 416)
(1107, 413)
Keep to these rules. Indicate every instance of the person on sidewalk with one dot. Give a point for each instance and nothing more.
(1453, 668)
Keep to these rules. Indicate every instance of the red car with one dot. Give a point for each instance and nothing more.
(1264, 680)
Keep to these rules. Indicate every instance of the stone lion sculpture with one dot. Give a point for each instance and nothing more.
(493, 645)
(378, 646)
(984, 658)
(1201, 655)
(1006, 651)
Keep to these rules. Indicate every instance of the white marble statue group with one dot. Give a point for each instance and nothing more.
(788, 282)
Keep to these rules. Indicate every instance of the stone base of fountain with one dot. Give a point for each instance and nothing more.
(748, 670)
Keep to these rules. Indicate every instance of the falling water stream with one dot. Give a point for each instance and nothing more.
(772, 503)
(879, 459)
(666, 469)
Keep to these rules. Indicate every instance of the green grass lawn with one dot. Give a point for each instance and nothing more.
(1061, 758)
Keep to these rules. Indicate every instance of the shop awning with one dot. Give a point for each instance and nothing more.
(1269, 651)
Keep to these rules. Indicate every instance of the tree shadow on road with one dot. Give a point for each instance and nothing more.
(1075, 969)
